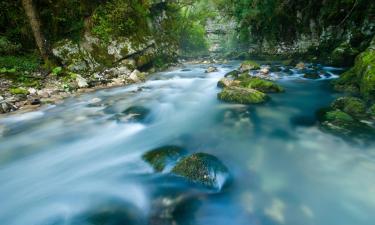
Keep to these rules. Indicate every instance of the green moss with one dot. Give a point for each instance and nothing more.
(351, 105)
(242, 95)
(18, 91)
(249, 65)
(159, 158)
(372, 110)
(261, 85)
(338, 116)
(56, 71)
(202, 168)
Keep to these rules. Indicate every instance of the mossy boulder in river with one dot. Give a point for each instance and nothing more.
(160, 158)
(360, 78)
(249, 65)
(242, 95)
(261, 85)
(204, 169)
(351, 105)
(232, 74)
(342, 124)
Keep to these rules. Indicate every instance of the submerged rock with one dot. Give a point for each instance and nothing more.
(115, 213)
(249, 65)
(311, 75)
(132, 114)
(204, 169)
(242, 95)
(161, 157)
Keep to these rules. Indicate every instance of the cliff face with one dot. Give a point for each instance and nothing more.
(334, 31)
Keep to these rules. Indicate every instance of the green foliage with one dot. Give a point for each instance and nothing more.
(56, 71)
(121, 18)
(18, 91)
(20, 63)
(7, 47)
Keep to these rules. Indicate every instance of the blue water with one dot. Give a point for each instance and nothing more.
(61, 163)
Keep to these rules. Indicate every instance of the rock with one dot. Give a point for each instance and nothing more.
(232, 74)
(353, 106)
(136, 76)
(242, 95)
(342, 124)
(204, 169)
(343, 55)
(300, 66)
(162, 157)
(249, 65)
(111, 213)
(311, 75)
(32, 91)
(95, 101)
(81, 82)
(211, 69)
(372, 111)
(35, 101)
(260, 85)
(265, 70)
(133, 114)
(224, 82)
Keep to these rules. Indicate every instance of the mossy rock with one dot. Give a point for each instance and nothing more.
(113, 213)
(261, 85)
(351, 105)
(372, 110)
(343, 55)
(225, 82)
(232, 74)
(311, 76)
(18, 91)
(362, 76)
(342, 124)
(161, 157)
(242, 95)
(249, 65)
(204, 169)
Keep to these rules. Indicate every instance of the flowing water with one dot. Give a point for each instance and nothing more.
(59, 164)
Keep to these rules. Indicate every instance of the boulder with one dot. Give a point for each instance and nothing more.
(225, 82)
(261, 85)
(133, 114)
(311, 75)
(353, 106)
(265, 70)
(204, 169)
(160, 158)
(300, 66)
(211, 69)
(242, 95)
(136, 76)
(81, 82)
(249, 65)
(342, 124)
(232, 74)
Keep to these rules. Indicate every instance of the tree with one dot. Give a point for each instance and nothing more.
(35, 24)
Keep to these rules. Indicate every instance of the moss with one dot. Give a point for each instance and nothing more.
(338, 116)
(56, 71)
(202, 168)
(361, 76)
(232, 74)
(159, 158)
(351, 105)
(242, 95)
(343, 55)
(261, 85)
(249, 65)
(18, 91)
(372, 110)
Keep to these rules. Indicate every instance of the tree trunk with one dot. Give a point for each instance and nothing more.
(35, 24)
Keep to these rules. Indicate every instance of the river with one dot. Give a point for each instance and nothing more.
(60, 162)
